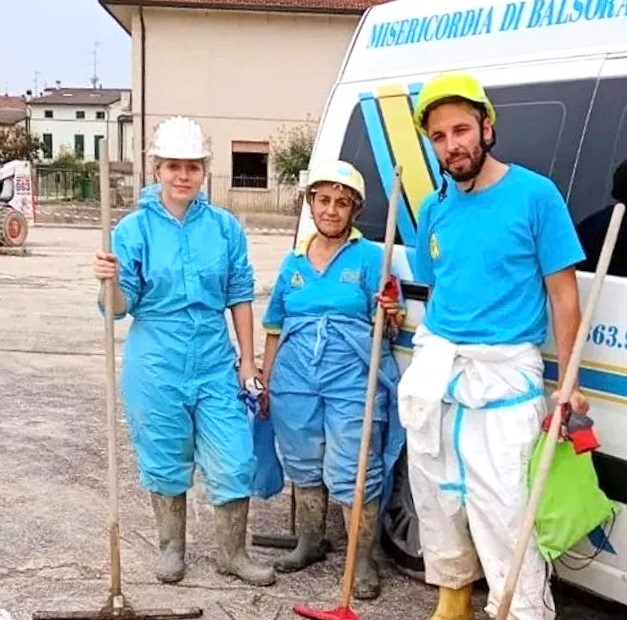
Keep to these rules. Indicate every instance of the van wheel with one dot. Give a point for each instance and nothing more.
(13, 227)
(399, 526)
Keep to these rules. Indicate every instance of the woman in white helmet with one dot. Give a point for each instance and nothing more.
(177, 264)
(319, 333)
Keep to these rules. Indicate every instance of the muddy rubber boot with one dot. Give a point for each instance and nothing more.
(230, 523)
(170, 514)
(311, 512)
(367, 585)
(454, 604)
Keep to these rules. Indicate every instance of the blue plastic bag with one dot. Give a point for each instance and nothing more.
(269, 477)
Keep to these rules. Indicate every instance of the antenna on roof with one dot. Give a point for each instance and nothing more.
(94, 78)
(36, 83)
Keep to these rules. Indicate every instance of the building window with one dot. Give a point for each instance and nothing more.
(250, 164)
(100, 116)
(79, 146)
(48, 114)
(46, 145)
(97, 147)
(80, 115)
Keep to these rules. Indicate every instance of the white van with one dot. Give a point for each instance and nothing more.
(556, 71)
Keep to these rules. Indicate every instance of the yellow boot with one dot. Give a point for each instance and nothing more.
(454, 604)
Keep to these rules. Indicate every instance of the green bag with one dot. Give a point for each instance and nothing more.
(572, 504)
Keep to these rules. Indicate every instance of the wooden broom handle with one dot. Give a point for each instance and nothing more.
(373, 380)
(566, 388)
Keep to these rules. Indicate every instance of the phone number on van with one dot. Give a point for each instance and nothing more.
(608, 336)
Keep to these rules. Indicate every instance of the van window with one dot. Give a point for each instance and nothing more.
(603, 160)
(530, 134)
(592, 229)
(540, 125)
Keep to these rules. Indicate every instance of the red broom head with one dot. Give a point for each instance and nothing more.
(341, 613)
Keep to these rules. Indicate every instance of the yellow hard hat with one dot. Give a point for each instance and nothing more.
(451, 84)
(338, 171)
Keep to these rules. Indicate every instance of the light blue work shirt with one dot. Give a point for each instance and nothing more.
(348, 285)
(485, 255)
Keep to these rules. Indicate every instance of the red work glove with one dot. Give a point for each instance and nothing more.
(577, 428)
(391, 289)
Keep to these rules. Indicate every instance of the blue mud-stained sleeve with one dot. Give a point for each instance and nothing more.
(558, 246)
(275, 311)
(127, 244)
(424, 264)
(240, 285)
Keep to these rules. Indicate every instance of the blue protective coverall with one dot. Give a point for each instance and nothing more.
(179, 378)
(320, 373)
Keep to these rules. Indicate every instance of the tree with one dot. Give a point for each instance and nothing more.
(17, 143)
(67, 160)
(291, 151)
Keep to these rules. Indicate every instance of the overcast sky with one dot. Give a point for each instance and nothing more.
(55, 38)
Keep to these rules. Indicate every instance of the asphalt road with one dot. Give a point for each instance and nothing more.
(53, 496)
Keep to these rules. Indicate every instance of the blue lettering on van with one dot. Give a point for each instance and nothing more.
(481, 21)
(612, 336)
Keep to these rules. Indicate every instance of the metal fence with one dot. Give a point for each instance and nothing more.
(253, 194)
(241, 195)
(56, 185)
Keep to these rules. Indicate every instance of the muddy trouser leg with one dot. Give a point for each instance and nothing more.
(224, 451)
(497, 500)
(298, 424)
(470, 499)
(162, 434)
(344, 427)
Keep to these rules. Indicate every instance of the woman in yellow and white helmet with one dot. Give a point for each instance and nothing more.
(319, 326)
(177, 264)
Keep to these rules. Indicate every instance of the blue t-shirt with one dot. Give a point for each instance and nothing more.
(348, 285)
(485, 255)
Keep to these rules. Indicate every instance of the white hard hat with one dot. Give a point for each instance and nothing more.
(179, 137)
(338, 171)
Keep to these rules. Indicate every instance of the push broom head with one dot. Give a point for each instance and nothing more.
(126, 613)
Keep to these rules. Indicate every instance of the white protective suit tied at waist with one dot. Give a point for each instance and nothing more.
(475, 376)
(473, 414)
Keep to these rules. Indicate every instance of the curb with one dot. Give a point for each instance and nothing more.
(96, 226)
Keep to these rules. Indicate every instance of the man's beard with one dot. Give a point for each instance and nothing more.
(477, 159)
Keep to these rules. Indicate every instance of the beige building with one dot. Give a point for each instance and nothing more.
(245, 69)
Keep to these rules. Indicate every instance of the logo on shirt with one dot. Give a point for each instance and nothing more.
(434, 247)
(351, 275)
(297, 280)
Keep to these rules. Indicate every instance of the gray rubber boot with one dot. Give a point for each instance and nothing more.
(230, 523)
(171, 514)
(311, 512)
(367, 584)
